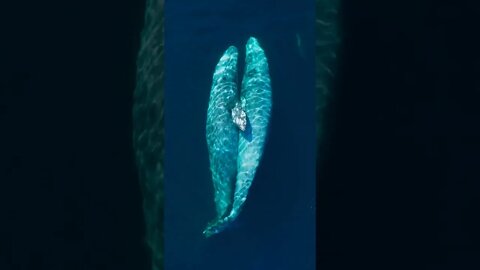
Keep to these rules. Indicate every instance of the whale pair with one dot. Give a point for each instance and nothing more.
(237, 125)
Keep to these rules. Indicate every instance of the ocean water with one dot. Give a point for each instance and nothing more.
(276, 229)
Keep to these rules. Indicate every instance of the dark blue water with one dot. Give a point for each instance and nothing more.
(276, 229)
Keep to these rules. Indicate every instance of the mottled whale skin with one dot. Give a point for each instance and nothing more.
(222, 134)
(256, 101)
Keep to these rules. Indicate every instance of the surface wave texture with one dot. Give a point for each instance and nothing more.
(235, 154)
(148, 129)
(327, 41)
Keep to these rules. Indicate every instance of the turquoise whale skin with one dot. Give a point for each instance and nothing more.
(234, 153)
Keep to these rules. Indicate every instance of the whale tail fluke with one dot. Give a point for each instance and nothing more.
(221, 224)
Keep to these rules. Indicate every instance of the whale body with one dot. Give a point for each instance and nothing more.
(222, 134)
(235, 150)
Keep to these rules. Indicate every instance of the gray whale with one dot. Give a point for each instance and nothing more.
(235, 150)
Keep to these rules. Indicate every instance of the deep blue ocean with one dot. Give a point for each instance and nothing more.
(276, 229)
